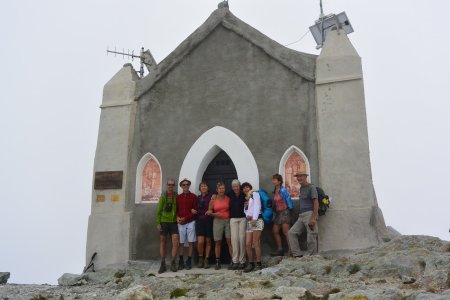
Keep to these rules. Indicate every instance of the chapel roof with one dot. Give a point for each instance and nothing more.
(300, 63)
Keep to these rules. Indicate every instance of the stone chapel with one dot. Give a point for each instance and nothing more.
(229, 102)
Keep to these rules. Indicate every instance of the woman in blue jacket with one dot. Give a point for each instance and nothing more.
(282, 206)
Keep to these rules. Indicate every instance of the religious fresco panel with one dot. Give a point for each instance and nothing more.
(151, 181)
(295, 163)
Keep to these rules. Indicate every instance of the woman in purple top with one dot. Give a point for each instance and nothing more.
(203, 226)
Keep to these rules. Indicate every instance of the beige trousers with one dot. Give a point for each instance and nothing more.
(312, 235)
(238, 226)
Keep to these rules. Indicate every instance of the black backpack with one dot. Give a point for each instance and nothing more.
(324, 200)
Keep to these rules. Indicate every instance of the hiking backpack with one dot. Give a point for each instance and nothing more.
(266, 206)
(324, 199)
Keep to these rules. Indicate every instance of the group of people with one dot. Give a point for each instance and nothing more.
(237, 214)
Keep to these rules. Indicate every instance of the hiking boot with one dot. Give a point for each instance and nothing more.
(188, 263)
(200, 262)
(249, 267)
(173, 266)
(235, 267)
(241, 267)
(162, 268)
(231, 266)
(218, 266)
(258, 266)
(180, 264)
(279, 252)
(206, 263)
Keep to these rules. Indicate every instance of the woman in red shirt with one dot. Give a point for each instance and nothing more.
(219, 208)
(282, 214)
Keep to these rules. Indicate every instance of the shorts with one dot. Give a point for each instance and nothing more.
(204, 228)
(168, 228)
(281, 217)
(219, 226)
(187, 231)
(259, 225)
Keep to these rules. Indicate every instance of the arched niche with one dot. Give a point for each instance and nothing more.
(206, 148)
(148, 179)
(293, 161)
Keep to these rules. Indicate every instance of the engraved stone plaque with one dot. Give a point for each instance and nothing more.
(108, 180)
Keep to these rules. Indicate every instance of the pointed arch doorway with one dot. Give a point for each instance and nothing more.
(220, 169)
(208, 146)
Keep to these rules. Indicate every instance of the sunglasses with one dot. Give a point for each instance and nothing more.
(185, 184)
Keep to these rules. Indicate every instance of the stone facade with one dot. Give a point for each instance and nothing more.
(230, 88)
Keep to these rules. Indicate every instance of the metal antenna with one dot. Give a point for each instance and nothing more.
(321, 10)
(133, 56)
(321, 17)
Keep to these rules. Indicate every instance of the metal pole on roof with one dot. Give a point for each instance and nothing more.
(321, 10)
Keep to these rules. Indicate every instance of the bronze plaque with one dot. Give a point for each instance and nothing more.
(115, 198)
(100, 198)
(108, 180)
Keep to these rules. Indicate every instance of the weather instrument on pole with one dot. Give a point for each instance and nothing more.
(145, 57)
(327, 23)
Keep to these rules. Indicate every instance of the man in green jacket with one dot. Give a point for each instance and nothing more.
(166, 220)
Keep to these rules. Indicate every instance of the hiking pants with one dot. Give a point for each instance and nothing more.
(238, 226)
(312, 235)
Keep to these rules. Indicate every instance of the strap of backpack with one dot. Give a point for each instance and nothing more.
(172, 202)
(163, 206)
(310, 187)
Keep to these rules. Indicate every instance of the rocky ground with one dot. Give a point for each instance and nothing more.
(407, 267)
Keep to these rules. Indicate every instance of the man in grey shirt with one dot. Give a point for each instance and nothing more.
(307, 219)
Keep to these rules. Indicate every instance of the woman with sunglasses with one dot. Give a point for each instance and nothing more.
(203, 226)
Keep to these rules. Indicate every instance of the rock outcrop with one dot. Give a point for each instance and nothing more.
(407, 267)
(68, 279)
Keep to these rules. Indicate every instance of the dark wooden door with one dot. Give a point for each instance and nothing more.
(220, 169)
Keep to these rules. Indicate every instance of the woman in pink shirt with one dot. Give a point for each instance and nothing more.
(219, 208)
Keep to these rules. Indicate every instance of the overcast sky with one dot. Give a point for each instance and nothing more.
(54, 66)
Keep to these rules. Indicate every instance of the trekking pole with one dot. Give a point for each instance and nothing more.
(90, 264)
